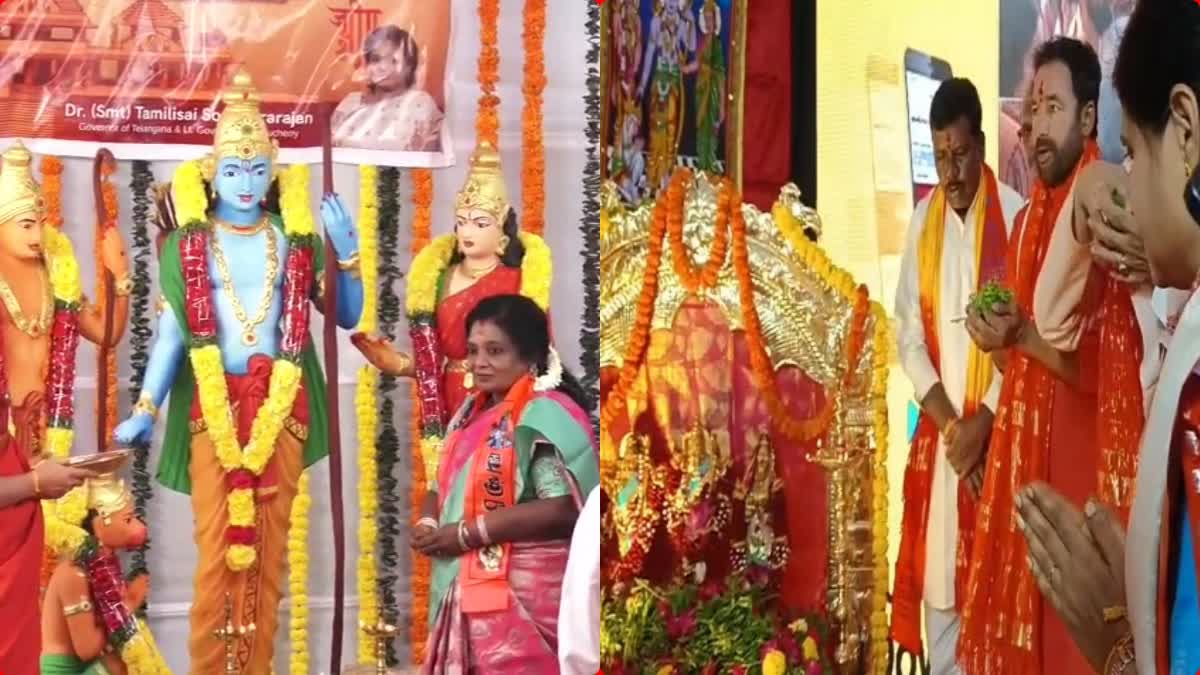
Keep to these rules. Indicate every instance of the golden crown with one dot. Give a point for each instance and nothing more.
(19, 192)
(241, 131)
(484, 189)
(107, 495)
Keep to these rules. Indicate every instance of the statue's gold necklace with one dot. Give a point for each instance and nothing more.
(33, 327)
(249, 338)
(478, 273)
(242, 231)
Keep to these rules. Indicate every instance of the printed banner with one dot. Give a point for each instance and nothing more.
(1026, 24)
(143, 77)
(674, 73)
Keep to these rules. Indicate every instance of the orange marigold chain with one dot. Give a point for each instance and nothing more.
(636, 347)
(533, 152)
(676, 196)
(422, 199)
(487, 123)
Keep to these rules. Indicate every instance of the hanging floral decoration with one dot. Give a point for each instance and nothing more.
(589, 331)
(297, 558)
(243, 466)
(141, 334)
(367, 416)
(419, 583)
(533, 150)
(387, 441)
(487, 122)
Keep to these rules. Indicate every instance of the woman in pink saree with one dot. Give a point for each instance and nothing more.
(516, 462)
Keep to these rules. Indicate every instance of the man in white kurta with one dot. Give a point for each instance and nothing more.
(579, 609)
(941, 387)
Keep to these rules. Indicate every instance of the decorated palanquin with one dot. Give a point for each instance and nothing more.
(743, 432)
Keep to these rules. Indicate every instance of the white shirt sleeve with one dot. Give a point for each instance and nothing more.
(579, 609)
(914, 353)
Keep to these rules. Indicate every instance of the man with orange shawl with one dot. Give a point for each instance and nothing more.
(956, 244)
(1069, 317)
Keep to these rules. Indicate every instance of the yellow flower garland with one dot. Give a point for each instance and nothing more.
(816, 260)
(141, 655)
(367, 416)
(64, 516)
(297, 555)
(286, 376)
(537, 271)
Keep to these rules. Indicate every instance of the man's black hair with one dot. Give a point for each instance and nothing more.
(955, 99)
(1081, 60)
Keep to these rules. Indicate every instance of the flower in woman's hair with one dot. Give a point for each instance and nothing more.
(774, 663)
(681, 625)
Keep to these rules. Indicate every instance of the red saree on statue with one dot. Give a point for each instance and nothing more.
(452, 314)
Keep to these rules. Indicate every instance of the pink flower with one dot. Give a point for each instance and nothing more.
(711, 589)
(681, 625)
(739, 670)
(814, 668)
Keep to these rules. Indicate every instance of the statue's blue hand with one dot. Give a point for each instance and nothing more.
(339, 226)
(137, 429)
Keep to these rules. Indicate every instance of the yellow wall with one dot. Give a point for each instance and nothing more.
(853, 36)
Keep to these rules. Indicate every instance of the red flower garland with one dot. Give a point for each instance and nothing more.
(60, 381)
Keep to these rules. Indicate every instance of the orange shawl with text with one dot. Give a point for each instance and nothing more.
(991, 244)
(1001, 615)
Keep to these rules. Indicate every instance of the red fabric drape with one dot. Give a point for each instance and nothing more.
(767, 127)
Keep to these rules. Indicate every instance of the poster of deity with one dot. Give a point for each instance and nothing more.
(1026, 24)
(672, 71)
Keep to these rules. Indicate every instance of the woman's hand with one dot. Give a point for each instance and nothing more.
(1101, 204)
(1079, 565)
(437, 543)
(996, 329)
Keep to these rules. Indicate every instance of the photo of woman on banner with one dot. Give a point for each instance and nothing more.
(395, 112)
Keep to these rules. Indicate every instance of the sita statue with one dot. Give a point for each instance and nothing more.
(89, 615)
(248, 409)
(43, 313)
(487, 255)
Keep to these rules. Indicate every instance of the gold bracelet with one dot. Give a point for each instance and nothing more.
(146, 405)
(351, 265)
(81, 607)
(123, 286)
(1120, 656)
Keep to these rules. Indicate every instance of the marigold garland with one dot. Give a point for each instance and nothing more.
(533, 151)
(244, 465)
(106, 359)
(367, 417)
(707, 278)
(52, 169)
(297, 556)
(487, 121)
(421, 567)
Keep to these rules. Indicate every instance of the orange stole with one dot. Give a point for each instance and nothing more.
(1001, 615)
(991, 244)
(1119, 393)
